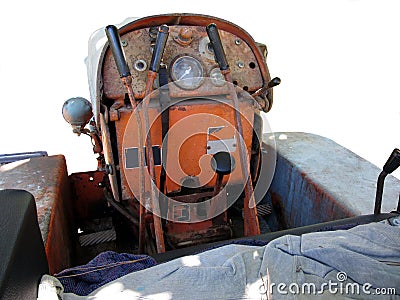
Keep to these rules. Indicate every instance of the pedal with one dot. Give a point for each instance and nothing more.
(99, 237)
(262, 210)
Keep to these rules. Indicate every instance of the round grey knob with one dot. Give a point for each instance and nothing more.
(77, 111)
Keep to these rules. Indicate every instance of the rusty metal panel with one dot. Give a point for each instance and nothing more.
(199, 233)
(192, 151)
(46, 179)
(88, 196)
(137, 47)
(127, 137)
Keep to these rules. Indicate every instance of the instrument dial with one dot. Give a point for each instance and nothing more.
(187, 72)
(216, 77)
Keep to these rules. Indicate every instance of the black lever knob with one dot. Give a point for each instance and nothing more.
(393, 162)
(274, 82)
(161, 40)
(116, 49)
(216, 43)
(223, 163)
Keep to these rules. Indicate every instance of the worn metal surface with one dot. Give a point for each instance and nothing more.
(243, 62)
(154, 199)
(251, 226)
(187, 37)
(192, 149)
(47, 180)
(88, 196)
(199, 233)
(99, 48)
(109, 157)
(99, 237)
(317, 180)
(8, 158)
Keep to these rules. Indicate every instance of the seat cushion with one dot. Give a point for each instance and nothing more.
(22, 255)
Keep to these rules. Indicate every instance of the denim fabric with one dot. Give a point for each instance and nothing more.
(105, 267)
(367, 254)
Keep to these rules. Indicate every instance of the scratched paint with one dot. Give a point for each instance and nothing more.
(316, 180)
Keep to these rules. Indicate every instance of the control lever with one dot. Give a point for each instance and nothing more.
(223, 163)
(251, 226)
(216, 44)
(161, 40)
(114, 41)
(274, 82)
(393, 162)
(391, 165)
(116, 49)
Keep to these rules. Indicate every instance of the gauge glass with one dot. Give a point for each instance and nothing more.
(217, 78)
(187, 72)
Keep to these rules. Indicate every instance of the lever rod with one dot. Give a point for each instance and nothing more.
(114, 41)
(391, 165)
(274, 82)
(158, 51)
(251, 226)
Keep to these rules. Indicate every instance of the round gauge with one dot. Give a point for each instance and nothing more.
(217, 78)
(187, 72)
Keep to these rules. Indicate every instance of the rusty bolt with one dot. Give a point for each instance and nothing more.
(185, 34)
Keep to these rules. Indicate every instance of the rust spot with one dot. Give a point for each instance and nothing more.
(88, 195)
(277, 204)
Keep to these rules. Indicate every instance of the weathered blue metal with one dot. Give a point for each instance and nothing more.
(9, 158)
(316, 180)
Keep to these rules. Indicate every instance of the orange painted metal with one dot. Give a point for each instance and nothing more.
(88, 196)
(199, 231)
(251, 226)
(154, 199)
(193, 150)
(190, 120)
(47, 180)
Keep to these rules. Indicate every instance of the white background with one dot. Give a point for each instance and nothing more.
(339, 62)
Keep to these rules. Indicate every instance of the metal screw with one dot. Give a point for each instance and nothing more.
(140, 65)
(124, 43)
(153, 32)
(109, 170)
(238, 42)
(240, 64)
